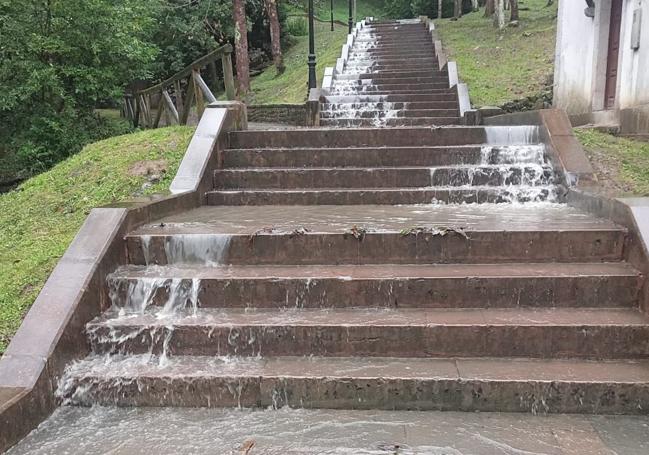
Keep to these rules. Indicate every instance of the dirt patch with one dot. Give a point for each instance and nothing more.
(150, 167)
(607, 167)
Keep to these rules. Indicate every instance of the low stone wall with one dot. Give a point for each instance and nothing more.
(286, 114)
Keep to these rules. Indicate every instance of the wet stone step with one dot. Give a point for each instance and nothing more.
(389, 122)
(448, 106)
(390, 196)
(363, 79)
(332, 137)
(425, 245)
(370, 84)
(370, 90)
(401, 177)
(397, 68)
(606, 285)
(512, 332)
(397, 77)
(352, 156)
(449, 98)
(505, 385)
(345, 112)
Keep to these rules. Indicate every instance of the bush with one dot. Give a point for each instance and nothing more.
(405, 9)
(297, 26)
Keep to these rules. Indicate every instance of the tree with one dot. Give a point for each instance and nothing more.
(457, 9)
(276, 46)
(439, 9)
(58, 60)
(499, 17)
(490, 8)
(514, 12)
(241, 45)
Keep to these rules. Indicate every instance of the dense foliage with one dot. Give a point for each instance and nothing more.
(61, 59)
(58, 60)
(414, 8)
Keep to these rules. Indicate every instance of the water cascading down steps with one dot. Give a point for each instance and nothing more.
(402, 267)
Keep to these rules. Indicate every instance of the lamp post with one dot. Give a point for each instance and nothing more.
(332, 15)
(311, 60)
(351, 15)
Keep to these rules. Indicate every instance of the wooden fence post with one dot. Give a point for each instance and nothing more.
(228, 76)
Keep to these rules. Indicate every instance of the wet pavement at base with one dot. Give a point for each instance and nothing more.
(163, 431)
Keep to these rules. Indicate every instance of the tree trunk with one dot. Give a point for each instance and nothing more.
(275, 45)
(457, 9)
(490, 8)
(514, 7)
(474, 5)
(499, 17)
(439, 9)
(241, 46)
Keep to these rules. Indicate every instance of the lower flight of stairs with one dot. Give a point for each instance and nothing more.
(268, 297)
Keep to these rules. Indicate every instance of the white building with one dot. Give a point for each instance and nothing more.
(602, 63)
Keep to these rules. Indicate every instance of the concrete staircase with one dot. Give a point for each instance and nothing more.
(394, 268)
(391, 78)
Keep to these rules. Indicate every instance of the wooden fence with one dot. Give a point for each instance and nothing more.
(176, 95)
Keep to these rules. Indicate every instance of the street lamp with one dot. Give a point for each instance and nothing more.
(311, 60)
(332, 15)
(351, 15)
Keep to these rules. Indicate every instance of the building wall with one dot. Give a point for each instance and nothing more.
(574, 58)
(580, 58)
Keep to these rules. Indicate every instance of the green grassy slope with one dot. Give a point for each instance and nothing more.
(291, 86)
(39, 219)
(503, 66)
(621, 165)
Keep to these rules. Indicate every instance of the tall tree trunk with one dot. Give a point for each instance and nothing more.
(490, 8)
(499, 17)
(474, 5)
(241, 45)
(514, 6)
(439, 9)
(457, 9)
(275, 45)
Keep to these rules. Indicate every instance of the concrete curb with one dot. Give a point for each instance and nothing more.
(52, 333)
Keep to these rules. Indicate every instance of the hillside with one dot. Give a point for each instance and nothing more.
(40, 218)
(501, 67)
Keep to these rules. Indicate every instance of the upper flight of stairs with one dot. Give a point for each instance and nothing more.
(370, 268)
(391, 78)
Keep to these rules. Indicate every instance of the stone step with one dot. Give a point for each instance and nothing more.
(413, 332)
(375, 235)
(351, 156)
(449, 106)
(387, 177)
(371, 85)
(448, 97)
(498, 384)
(400, 68)
(398, 77)
(389, 54)
(378, 40)
(388, 46)
(374, 79)
(424, 61)
(386, 112)
(365, 137)
(391, 196)
(342, 122)
(394, 286)
(370, 91)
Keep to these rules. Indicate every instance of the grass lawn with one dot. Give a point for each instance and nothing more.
(39, 219)
(507, 65)
(621, 165)
(291, 86)
(364, 8)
